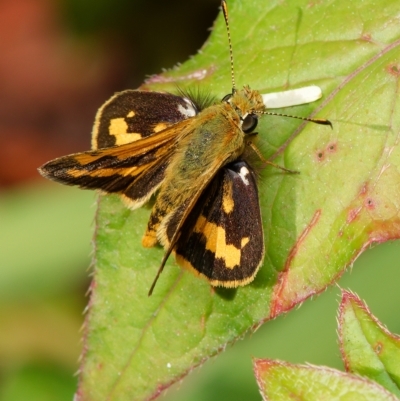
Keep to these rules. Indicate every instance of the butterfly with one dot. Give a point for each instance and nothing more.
(189, 151)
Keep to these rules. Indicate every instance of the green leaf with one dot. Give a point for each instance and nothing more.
(283, 381)
(367, 347)
(315, 223)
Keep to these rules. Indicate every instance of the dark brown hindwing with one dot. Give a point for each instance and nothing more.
(222, 239)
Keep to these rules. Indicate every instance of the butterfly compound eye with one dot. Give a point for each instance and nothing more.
(227, 97)
(249, 123)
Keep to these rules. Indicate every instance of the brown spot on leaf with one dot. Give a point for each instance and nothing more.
(364, 189)
(367, 37)
(369, 203)
(332, 147)
(394, 69)
(203, 323)
(352, 215)
(320, 155)
(378, 347)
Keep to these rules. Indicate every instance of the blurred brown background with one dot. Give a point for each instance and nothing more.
(60, 60)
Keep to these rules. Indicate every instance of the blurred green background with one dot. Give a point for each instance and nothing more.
(60, 61)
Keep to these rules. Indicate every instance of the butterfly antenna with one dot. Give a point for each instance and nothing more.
(225, 12)
(313, 120)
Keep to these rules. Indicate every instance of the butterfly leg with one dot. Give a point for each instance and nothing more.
(264, 160)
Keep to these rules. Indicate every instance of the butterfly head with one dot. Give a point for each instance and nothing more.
(248, 104)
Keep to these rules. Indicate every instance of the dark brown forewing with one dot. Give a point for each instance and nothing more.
(222, 238)
(131, 115)
(134, 170)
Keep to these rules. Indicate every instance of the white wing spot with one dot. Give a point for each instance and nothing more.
(189, 110)
(243, 175)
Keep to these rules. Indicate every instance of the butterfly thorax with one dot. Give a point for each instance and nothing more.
(213, 139)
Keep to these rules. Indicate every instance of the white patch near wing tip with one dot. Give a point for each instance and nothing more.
(189, 110)
(244, 172)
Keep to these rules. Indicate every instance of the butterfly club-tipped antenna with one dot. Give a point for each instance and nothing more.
(320, 121)
(302, 90)
(225, 12)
